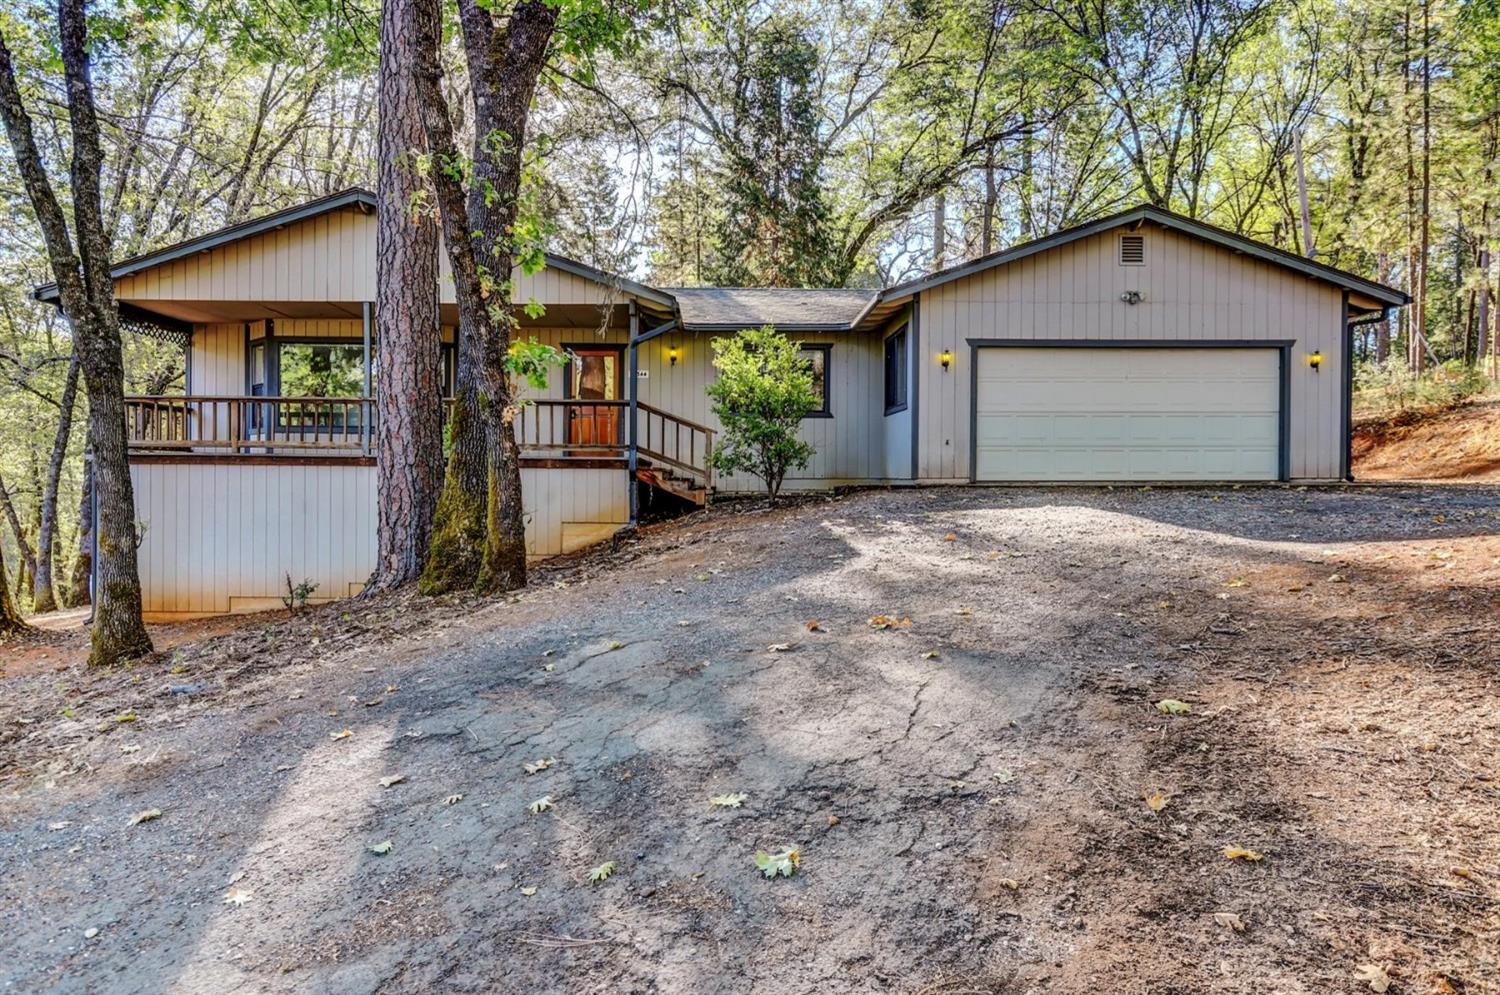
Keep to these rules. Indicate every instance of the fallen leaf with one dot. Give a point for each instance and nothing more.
(1242, 853)
(541, 805)
(1157, 800)
(1230, 920)
(453, 799)
(1010, 884)
(53, 827)
(889, 622)
(930, 655)
(1237, 582)
(550, 667)
(950, 537)
(1375, 976)
(602, 873)
(734, 800)
(146, 816)
(528, 892)
(341, 735)
(783, 864)
(386, 782)
(537, 766)
(374, 701)
(813, 625)
(125, 717)
(615, 646)
(382, 848)
(780, 647)
(1171, 706)
(237, 896)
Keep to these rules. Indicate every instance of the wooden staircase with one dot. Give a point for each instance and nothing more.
(672, 455)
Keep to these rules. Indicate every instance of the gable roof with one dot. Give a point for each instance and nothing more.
(1167, 219)
(356, 198)
(798, 309)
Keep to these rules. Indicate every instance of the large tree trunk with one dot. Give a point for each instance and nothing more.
(408, 426)
(86, 293)
(11, 623)
(27, 566)
(43, 591)
(83, 559)
(479, 534)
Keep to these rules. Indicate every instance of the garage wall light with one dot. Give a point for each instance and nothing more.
(1315, 360)
(1131, 297)
(945, 359)
(672, 354)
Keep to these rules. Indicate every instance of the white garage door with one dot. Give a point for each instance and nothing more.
(1102, 414)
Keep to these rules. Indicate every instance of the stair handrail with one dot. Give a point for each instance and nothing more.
(705, 469)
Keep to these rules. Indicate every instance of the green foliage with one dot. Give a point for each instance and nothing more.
(531, 361)
(774, 228)
(763, 391)
(1383, 388)
(296, 595)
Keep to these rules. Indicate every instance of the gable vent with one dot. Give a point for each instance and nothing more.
(1132, 250)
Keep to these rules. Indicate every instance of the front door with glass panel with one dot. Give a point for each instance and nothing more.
(594, 375)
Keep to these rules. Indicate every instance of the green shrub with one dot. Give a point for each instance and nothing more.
(1381, 388)
(763, 391)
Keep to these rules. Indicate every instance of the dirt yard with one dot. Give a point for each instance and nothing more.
(1459, 443)
(984, 795)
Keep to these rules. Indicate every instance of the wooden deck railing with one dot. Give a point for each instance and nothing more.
(681, 444)
(218, 425)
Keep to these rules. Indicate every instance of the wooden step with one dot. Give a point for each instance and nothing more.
(685, 488)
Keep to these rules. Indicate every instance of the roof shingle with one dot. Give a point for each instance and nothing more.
(746, 307)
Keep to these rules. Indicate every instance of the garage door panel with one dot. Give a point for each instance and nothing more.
(1127, 414)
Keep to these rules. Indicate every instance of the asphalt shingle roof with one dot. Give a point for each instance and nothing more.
(751, 307)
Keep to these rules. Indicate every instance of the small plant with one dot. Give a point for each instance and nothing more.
(296, 595)
(763, 391)
(602, 873)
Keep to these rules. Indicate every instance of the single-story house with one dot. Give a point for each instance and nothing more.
(1141, 347)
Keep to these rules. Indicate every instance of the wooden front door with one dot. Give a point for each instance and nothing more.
(594, 375)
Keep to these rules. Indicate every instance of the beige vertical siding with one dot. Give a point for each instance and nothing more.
(567, 508)
(222, 536)
(1192, 290)
(850, 445)
(327, 258)
(218, 359)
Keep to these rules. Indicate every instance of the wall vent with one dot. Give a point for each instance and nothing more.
(1132, 250)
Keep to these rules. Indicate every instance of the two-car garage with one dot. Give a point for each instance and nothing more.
(1080, 411)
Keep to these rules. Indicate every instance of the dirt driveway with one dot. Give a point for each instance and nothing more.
(971, 793)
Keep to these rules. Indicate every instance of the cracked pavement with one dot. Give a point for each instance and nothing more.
(964, 820)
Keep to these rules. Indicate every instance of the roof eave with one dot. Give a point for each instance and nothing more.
(1229, 240)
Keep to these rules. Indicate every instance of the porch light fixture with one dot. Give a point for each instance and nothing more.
(1131, 297)
(1315, 360)
(945, 359)
(672, 355)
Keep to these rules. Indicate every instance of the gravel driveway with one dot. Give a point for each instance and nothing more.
(982, 791)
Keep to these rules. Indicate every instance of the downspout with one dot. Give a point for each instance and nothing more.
(634, 388)
(366, 409)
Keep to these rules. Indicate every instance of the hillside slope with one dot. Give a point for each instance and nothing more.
(1461, 443)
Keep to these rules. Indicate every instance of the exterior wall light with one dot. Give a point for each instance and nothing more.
(1131, 297)
(945, 358)
(1315, 360)
(672, 355)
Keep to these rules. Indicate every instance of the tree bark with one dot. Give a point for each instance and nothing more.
(86, 294)
(27, 566)
(43, 591)
(408, 425)
(479, 533)
(939, 230)
(83, 559)
(11, 623)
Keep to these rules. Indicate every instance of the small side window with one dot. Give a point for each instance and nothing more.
(1132, 250)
